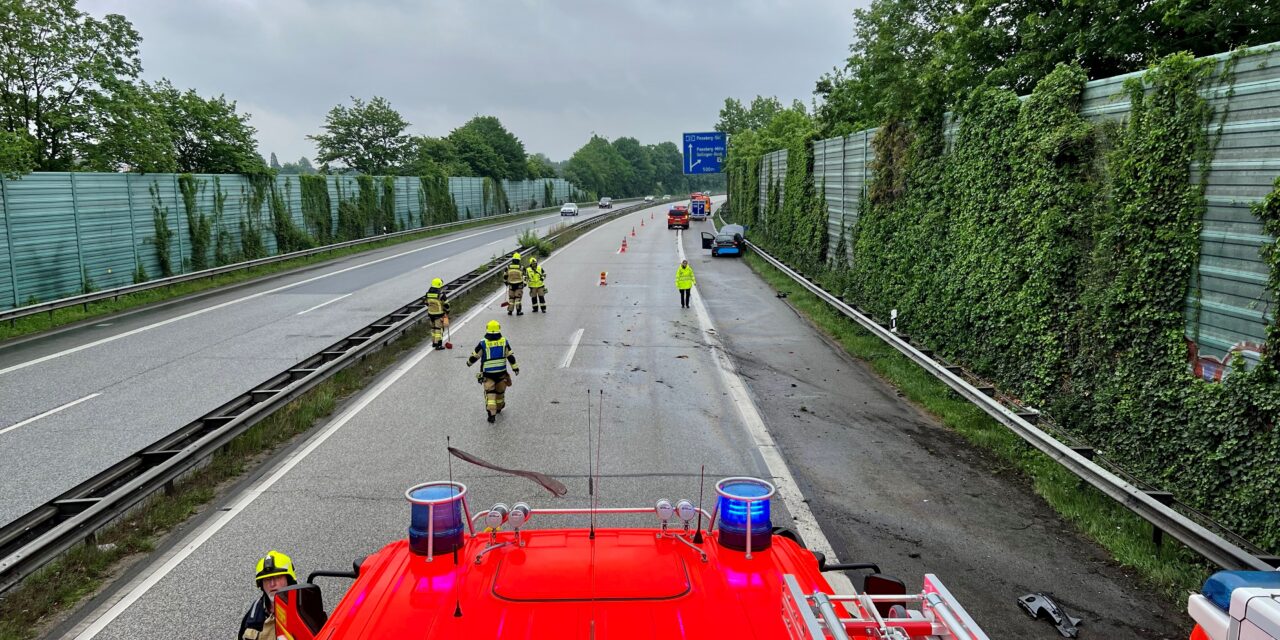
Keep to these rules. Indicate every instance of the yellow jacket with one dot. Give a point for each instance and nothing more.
(684, 278)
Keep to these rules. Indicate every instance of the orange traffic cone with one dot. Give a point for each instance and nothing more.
(603, 281)
(633, 231)
(624, 245)
(642, 222)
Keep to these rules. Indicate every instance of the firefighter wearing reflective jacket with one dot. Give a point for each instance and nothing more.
(537, 281)
(515, 287)
(275, 572)
(437, 312)
(494, 352)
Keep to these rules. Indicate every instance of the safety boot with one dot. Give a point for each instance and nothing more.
(491, 417)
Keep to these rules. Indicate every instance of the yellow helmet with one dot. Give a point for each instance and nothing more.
(533, 261)
(515, 256)
(437, 282)
(275, 564)
(493, 327)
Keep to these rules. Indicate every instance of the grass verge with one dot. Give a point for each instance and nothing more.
(32, 605)
(1171, 569)
(68, 315)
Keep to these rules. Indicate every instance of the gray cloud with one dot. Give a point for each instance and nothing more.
(553, 72)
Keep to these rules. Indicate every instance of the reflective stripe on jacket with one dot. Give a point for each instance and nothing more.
(534, 276)
(436, 305)
(684, 278)
(495, 354)
(515, 275)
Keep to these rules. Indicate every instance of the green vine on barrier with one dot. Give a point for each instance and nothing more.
(252, 243)
(289, 237)
(316, 207)
(387, 207)
(224, 251)
(435, 202)
(1055, 257)
(163, 235)
(199, 225)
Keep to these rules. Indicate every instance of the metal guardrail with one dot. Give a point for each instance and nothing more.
(35, 539)
(1153, 506)
(97, 296)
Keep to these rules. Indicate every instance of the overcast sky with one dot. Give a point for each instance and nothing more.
(553, 72)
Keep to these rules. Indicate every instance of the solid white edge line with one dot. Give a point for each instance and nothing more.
(47, 413)
(345, 295)
(573, 348)
(285, 466)
(192, 314)
(806, 523)
(432, 264)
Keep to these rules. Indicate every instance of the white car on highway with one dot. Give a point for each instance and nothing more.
(648, 198)
(569, 209)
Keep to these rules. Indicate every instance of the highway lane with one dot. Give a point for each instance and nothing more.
(666, 412)
(76, 401)
(886, 483)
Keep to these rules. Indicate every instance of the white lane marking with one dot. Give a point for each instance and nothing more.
(432, 264)
(806, 524)
(573, 348)
(498, 241)
(247, 498)
(324, 303)
(48, 413)
(95, 343)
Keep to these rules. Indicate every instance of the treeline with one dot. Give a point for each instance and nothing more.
(71, 100)
(1048, 253)
(625, 168)
(921, 57)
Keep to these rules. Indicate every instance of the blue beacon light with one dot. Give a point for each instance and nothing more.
(743, 508)
(436, 517)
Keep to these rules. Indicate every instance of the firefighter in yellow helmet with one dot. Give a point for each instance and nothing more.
(515, 287)
(535, 277)
(494, 352)
(437, 312)
(275, 572)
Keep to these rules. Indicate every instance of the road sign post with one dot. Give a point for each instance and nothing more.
(704, 152)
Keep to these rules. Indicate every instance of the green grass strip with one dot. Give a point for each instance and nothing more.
(1171, 569)
(68, 315)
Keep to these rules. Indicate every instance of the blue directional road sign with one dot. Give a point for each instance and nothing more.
(703, 152)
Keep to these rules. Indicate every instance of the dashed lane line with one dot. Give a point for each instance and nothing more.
(47, 413)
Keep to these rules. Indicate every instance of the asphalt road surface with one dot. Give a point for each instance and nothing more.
(76, 401)
(860, 470)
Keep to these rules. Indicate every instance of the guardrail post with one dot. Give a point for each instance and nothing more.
(1165, 498)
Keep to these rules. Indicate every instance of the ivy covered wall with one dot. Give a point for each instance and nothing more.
(1054, 251)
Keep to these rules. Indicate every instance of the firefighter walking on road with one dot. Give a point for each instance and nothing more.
(515, 287)
(537, 281)
(437, 312)
(494, 352)
(685, 282)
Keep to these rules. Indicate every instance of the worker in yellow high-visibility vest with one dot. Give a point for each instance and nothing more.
(536, 278)
(685, 282)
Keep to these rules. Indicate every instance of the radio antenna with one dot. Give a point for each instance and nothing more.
(457, 587)
(591, 478)
(599, 445)
(702, 484)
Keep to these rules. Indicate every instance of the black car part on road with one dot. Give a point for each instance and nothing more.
(33, 540)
